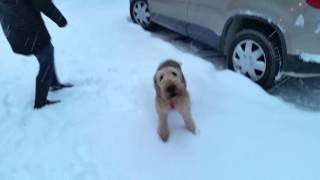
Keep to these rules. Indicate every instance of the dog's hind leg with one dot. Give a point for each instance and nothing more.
(163, 128)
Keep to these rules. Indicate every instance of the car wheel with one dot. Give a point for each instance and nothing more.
(140, 14)
(252, 54)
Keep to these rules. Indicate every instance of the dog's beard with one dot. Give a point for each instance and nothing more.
(174, 95)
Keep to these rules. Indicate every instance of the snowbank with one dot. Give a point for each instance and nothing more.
(310, 58)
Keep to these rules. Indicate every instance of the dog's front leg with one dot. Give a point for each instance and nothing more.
(163, 129)
(188, 121)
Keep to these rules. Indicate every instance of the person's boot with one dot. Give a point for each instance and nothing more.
(41, 96)
(59, 86)
(56, 85)
(45, 103)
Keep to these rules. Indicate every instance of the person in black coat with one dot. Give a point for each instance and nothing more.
(27, 34)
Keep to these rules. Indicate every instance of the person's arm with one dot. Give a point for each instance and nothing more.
(4, 10)
(2, 7)
(50, 10)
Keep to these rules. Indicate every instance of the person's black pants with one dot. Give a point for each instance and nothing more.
(46, 76)
(47, 73)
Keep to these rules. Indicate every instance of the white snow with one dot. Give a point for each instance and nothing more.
(300, 21)
(105, 127)
(307, 57)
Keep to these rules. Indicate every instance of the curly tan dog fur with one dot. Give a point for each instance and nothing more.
(171, 94)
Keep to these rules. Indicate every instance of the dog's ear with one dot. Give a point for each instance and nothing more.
(183, 79)
(178, 66)
(156, 86)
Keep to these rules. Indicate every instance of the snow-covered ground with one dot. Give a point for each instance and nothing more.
(105, 127)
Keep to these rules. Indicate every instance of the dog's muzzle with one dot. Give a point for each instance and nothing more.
(172, 91)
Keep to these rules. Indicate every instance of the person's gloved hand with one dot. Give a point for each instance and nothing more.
(63, 22)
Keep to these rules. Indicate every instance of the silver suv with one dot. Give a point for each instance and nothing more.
(262, 39)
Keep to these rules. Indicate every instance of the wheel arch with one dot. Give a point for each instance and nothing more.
(240, 22)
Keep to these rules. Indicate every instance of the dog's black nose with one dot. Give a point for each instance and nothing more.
(171, 89)
(172, 95)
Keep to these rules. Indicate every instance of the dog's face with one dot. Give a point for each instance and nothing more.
(169, 81)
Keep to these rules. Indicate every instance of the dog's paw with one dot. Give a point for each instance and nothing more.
(164, 135)
(192, 128)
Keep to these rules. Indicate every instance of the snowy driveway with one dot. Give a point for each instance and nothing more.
(105, 127)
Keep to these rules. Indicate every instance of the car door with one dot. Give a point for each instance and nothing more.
(170, 13)
(207, 19)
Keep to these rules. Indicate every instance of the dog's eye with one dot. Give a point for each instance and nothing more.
(161, 77)
(174, 74)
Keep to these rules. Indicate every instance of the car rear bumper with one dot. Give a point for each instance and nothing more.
(299, 66)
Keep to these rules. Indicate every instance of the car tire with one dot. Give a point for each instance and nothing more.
(140, 14)
(252, 54)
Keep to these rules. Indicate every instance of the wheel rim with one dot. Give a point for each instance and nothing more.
(249, 59)
(141, 13)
